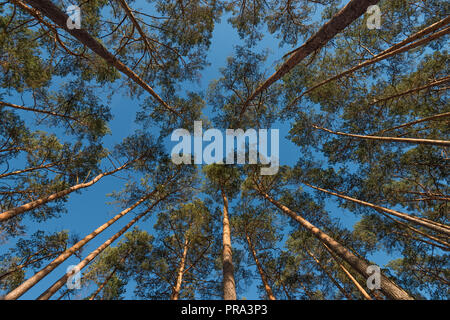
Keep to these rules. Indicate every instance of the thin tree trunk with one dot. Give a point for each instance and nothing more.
(401, 94)
(51, 11)
(63, 280)
(26, 285)
(177, 287)
(15, 106)
(229, 285)
(388, 287)
(387, 139)
(408, 124)
(49, 165)
(435, 226)
(260, 269)
(322, 267)
(352, 11)
(23, 265)
(395, 49)
(6, 215)
(107, 278)
(349, 275)
(130, 15)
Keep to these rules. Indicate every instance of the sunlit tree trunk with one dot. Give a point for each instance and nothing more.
(330, 276)
(47, 8)
(443, 143)
(267, 287)
(8, 214)
(63, 280)
(388, 287)
(229, 286)
(435, 226)
(352, 11)
(177, 287)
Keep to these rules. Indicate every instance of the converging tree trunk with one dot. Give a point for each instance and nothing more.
(26, 285)
(435, 226)
(47, 8)
(63, 280)
(267, 287)
(8, 214)
(352, 11)
(388, 287)
(177, 287)
(443, 143)
(229, 286)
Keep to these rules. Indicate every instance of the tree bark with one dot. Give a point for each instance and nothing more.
(443, 143)
(435, 226)
(349, 275)
(6, 215)
(229, 286)
(49, 165)
(51, 11)
(63, 280)
(352, 11)
(26, 285)
(177, 287)
(267, 287)
(395, 49)
(435, 117)
(388, 287)
(107, 278)
(322, 267)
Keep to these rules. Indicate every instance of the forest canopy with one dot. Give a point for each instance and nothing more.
(353, 94)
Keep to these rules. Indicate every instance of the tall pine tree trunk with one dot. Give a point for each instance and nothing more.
(63, 280)
(435, 226)
(352, 11)
(177, 287)
(267, 287)
(388, 287)
(443, 143)
(322, 267)
(348, 274)
(28, 284)
(229, 286)
(50, 10)
(8, 214)
(111, 274)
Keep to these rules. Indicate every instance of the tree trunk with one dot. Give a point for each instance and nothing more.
(388, 287)
(435, 226)
(63, 280)
(443, 143)
(15, 106)
(352, 11)
(26, 285)
(108, 278)
(435, 117)
(49, 165)
(177, 287)
(395, 49)
(229, 286)
(260, 269)
(51, 11)
(349, 275)
(322, 267)
(6, 215)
